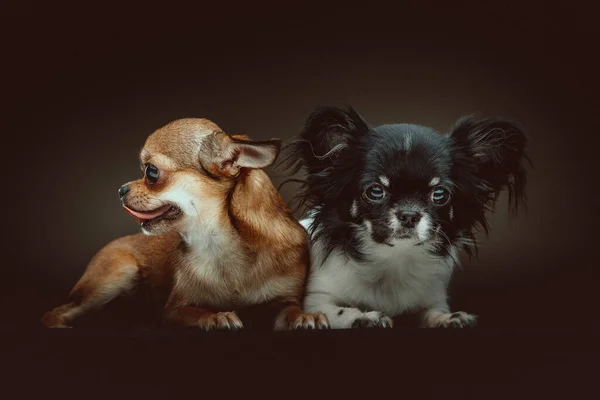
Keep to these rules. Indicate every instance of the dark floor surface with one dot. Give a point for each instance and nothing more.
(374, 363)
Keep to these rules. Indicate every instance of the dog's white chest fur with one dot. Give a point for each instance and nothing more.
(394, 280)
(210, 272)
(215, 272)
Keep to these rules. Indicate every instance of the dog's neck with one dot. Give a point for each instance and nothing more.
(210, 231)
(251, 211)
(208, 240)
(256, 209)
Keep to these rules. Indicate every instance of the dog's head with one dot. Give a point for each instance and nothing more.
(404, 184)
(190, 167)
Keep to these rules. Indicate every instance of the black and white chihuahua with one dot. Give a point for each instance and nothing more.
(391, 207)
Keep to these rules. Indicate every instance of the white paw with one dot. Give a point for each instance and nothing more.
(373, 319)
(452, 320)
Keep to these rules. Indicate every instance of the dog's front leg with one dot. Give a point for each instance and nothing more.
(188, 316)
(346, 317)
(291, 317)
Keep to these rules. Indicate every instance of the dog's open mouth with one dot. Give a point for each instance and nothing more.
(168, 211)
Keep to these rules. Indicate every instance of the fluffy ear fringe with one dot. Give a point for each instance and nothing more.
(327, 132)
(491, 155)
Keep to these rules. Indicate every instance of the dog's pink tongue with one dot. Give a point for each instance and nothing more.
(147, 215)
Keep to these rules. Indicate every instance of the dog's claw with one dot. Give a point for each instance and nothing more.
(454, 320)
(228, 321)
(316, 321)
(373, 319)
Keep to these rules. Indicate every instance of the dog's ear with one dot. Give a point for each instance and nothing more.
(327, 133)
(489, 156)
(244, 153)
(323, 146)
(235, 152)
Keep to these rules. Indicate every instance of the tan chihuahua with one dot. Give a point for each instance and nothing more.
(217, 235)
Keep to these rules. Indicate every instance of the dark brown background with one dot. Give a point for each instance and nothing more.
(82, 91)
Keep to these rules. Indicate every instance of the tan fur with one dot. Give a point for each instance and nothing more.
(236, 242)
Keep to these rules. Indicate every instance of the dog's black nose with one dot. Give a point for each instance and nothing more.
(123, 190)
(409, 219)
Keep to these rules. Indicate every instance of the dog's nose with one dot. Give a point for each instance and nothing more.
(123, 190)
(409, 219)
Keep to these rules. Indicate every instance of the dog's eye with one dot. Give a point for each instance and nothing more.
(152, 174)
(440, 196)
(375, 192)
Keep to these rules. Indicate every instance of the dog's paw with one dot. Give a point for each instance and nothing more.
(52, 320)
(453, 320)
(221, 321)
(310, 321)
(373, 319)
